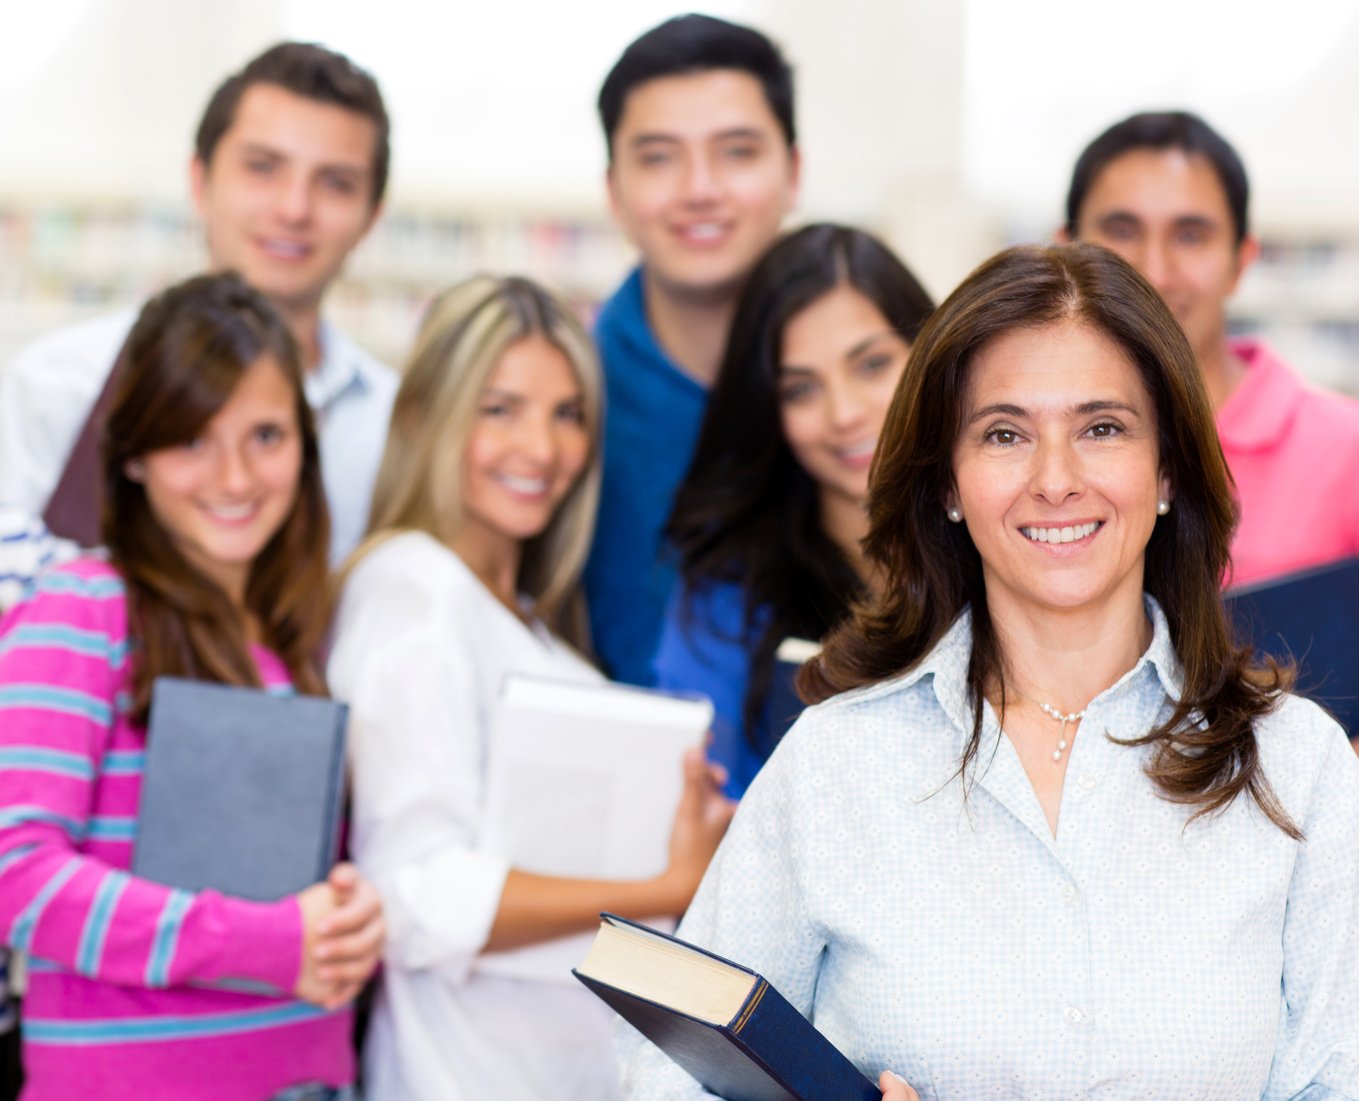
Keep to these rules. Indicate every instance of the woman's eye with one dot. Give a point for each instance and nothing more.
(268, 433)
(790, 393)
(1002, 436)
(1104, 431)
(572, 413)
(875, 365)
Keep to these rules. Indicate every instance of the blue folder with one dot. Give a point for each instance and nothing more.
(1311, 618)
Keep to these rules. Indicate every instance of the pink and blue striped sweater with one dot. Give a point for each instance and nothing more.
(136, 990)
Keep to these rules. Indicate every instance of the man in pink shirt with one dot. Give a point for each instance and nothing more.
(1170, 195)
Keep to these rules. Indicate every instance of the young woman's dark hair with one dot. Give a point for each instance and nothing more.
(747, 512)
(182, 360)
(1205, 753)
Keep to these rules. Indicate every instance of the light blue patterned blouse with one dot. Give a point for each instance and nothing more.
(957, 942)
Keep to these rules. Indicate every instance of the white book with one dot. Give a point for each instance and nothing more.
(582, 781)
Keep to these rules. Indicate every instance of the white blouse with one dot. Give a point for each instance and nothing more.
(958, 942)
(420, 652)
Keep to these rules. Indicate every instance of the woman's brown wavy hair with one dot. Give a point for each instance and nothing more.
(178, 368)
(1205, 755)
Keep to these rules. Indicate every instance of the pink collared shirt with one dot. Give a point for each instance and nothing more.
(1294, 452)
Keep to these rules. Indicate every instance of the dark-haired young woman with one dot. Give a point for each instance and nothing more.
(216, 527)
(768, 520)
(1051, 834)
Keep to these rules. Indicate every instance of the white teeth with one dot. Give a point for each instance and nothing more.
(286, 248)
(523, 485)
(859, 450)
(706, 231)
(231, 512)
(1060, 535)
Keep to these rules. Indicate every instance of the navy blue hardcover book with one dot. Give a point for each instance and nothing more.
(784, 706)
(1311, 618)
(723, 1023)
(242, 791)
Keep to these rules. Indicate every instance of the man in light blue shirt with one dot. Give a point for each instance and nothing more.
(290, 165)
(703, 167)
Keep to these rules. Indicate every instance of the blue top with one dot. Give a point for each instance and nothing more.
(706, 647)
(653, 416)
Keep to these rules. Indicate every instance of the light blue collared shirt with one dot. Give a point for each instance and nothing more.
(957, 942)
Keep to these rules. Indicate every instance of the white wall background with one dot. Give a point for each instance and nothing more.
(948, 123)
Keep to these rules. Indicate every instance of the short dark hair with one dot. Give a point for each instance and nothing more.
(696, 44)
(310, 71)
(1162, 130)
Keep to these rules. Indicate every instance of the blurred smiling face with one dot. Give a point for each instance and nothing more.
(700, 179)
(1166, 213)
(839, 367)
(528, 445)
(222, 496)
(288, 193)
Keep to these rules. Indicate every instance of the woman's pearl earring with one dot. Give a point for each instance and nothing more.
(956, 514)
(1162, 507)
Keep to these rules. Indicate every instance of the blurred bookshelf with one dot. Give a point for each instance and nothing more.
(1302, 295)
(66, 260)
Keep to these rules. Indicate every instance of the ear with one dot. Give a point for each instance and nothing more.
(134, 470)
(198, 182)
(1062, 235)
(611, 186)
(794, 177)
(1167, 490)
(617, 208)
(951, 502)
(373, 215)
(1246, 254)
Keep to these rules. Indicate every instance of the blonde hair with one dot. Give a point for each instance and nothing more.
(462, 338)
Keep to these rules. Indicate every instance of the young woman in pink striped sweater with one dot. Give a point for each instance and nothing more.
(216, 527)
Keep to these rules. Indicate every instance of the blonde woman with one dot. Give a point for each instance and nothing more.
(481, 521)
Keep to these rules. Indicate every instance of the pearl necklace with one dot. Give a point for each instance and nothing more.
(1052, 712)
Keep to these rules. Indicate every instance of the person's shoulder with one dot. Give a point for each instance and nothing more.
(711, 603)
(376, 374)
(85, 593)
(413, 556)
(413, 568)
(85, 347)
(624, 305)
(88, 576)
(1299, 742)
(1320, 409)
(882, 709)
(1332, 413)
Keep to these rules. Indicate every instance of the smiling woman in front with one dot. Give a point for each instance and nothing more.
(1054, 836)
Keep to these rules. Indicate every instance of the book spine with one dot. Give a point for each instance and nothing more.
(792, 1052)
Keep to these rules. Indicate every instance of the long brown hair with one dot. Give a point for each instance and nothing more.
(1205, 753)
(180, 364)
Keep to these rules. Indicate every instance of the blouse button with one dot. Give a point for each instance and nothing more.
(1073, 1015)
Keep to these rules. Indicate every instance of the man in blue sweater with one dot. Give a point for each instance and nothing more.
(703, 167)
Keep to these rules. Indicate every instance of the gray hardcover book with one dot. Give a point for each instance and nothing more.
(242, 791)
